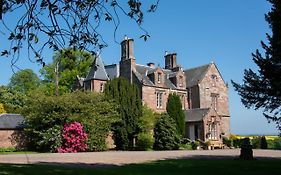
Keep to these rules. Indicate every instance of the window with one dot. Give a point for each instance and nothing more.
(159, 99)
(101, 87)
(212, 131)
(214, 104)
(214, 79)
(159, 77)
(180, 81)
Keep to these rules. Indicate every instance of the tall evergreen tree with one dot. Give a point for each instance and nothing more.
(262, 89)
(127, 95)
(174, 109)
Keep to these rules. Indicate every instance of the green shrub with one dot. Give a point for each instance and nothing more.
(194, 145)
(166, 134)
(9, 149)
(256, 142)
(46, 115)
(227, 141)
(236, 143)
(277, 143)
(145, 141)
(263, 143)
(185, 146)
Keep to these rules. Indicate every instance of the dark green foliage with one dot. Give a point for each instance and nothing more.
(127, 95)
(227, 141)
(120, 135)
(46, 115)
(262, 90)
(166, 134)
(263, 143)
(259, 142)
(256, 142)
(277, 143)
(236, 143)
(145, 141)
(174, 109)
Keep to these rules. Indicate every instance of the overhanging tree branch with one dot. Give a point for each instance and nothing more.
(66, 23)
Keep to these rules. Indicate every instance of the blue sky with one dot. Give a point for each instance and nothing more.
(199, 31)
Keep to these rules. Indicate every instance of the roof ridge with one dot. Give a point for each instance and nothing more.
(198, 67)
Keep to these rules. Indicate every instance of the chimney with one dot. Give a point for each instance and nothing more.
(151, 65)
(127, 49)
(170, 60)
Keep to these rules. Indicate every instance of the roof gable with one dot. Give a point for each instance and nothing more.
(97, 70)
(195, 75)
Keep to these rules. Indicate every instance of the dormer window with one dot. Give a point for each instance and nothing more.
(159, 77)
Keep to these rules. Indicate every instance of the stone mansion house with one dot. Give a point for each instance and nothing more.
(203, 92)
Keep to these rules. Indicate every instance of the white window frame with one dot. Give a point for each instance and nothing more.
(159, 77)
(159, 100)
(212, 131)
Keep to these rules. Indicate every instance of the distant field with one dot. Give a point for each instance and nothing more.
(252, 136)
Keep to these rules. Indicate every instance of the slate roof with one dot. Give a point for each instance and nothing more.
(11, 121)
(143, 71)
(195, 75)
(112, 71)
(195, 115)
(97, 70)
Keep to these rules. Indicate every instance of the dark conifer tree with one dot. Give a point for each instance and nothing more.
(174, 109)
(128, 97)
(262, 89)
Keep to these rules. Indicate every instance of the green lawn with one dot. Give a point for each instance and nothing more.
(184, 167)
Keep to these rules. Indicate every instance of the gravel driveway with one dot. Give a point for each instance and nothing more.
(112, 158)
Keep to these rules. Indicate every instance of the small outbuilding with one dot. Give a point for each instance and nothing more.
(11, 130)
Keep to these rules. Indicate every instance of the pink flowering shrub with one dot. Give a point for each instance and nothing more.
(73, 138)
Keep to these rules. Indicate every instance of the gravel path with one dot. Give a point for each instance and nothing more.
(115, 158)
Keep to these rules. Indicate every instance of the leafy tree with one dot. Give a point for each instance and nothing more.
(66, 66)
(127, 95)
(2, 110)
(56, 24)
(147, 120)
(12, 100)
(261, 90)
(174, 109)
(166, 134)
(145, 139)
(24, 81)
(46, 116)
